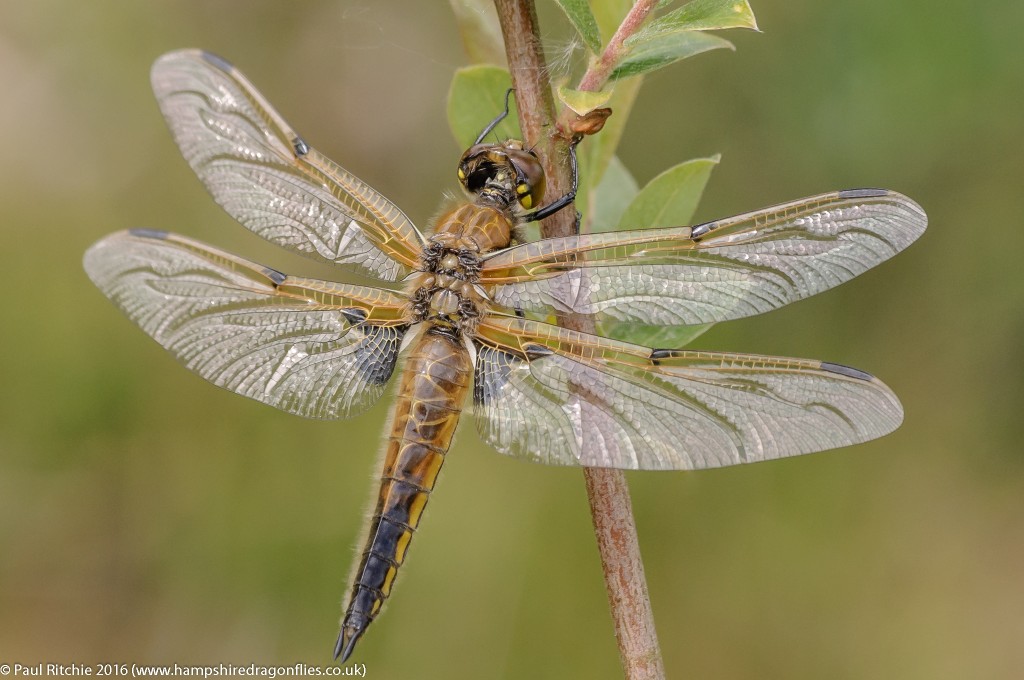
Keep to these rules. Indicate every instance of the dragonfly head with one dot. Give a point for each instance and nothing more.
(506, 172)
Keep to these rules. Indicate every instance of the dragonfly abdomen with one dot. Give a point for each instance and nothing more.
(436, 380)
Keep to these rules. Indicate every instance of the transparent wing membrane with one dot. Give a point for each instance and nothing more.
(313, 348)
(265, 176)
(557, 396)
(717, 271)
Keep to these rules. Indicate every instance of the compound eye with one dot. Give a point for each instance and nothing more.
(529, 177)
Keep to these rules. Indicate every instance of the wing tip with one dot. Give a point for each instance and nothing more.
(171, 61)
(892, 408)
(919, 218)
(95, 256)
(188, 53)
(195, 53)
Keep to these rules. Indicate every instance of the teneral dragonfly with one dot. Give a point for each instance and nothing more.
(476, 312)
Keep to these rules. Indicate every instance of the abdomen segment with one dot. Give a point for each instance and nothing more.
(438, 374)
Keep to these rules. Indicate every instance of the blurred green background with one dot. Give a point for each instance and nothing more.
(146, 516)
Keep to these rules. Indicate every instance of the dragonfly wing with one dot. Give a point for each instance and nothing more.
(313, 348)
(722, 270)
(557, 396)
(266, 177)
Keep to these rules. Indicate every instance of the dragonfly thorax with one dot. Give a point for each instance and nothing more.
(445, 292)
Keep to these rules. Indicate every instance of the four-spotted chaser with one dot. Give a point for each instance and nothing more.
(475, 309)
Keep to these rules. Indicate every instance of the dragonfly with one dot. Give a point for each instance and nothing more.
(472, 311)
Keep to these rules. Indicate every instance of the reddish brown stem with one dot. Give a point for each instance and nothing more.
(518, 19)
(612, 513)
(607, 490)
(597, 75)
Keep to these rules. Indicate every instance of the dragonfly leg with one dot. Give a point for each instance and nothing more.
(556, 205)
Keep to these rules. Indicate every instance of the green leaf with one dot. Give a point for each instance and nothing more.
(583, 21)
(670, 199)
(581, 102)
(664, 49)
(481, 34)
(596, 152)
(609, 14)
(700, 15)
(476, 96)
(608, 201)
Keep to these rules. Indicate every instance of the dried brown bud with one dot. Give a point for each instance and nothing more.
(591, 122)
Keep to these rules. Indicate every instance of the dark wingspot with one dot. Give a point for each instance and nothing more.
(846, 370)
(300, 146)
(274, 275)
(148, 233)
(493, 368)
(863, 193)
(702, 230)
(378, 354)
(658, 354)
(537, 351)
(219, 62)
(354, 315)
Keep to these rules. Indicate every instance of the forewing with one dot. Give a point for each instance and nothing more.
(556, 396)
(313, 348)
(266, 177)
(722, 270)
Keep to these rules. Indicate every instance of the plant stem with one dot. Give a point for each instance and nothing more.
(596, 75)
(612, 514)
(610, 505)
(599, 70)
(536, 105)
